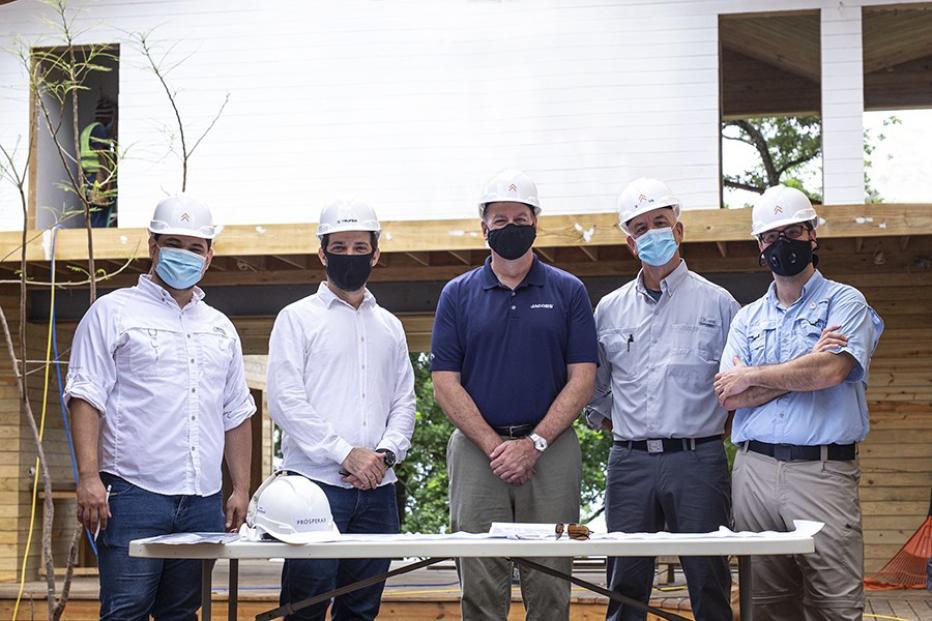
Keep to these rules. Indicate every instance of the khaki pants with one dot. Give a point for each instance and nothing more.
(768, 495)
(478, 498)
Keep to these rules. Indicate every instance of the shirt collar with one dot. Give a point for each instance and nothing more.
(330, 298)
(813, 284)
(149, 287)
(668, 285)
(536, 277)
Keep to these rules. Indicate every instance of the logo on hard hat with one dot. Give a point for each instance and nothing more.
(512, 188)
(643, 198)
(185, 217)
(777, 210)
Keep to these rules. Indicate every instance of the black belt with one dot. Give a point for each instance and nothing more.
(666, 445)
(795, 452)
(514, 431)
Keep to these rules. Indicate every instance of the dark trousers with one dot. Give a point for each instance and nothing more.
(354, 511)
(685, 492)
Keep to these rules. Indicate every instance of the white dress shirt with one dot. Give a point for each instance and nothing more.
(658, 359)
(339, 378)
(168, 383)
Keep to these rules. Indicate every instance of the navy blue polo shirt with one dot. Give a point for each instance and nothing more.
(511, 348)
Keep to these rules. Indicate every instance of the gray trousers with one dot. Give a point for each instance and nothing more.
(827, 585)
(682, 492)
(478, 498)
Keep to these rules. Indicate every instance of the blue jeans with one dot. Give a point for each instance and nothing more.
(354, 511)
(134, 588)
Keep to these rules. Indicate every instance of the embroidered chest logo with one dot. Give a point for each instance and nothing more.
(535, 306)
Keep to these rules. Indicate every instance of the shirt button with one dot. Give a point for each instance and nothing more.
(192, 418)
(193, 449)
(362, 339)
(189, 335)
(192, 360)
(513, 307)
(513, 294)
(194, 390)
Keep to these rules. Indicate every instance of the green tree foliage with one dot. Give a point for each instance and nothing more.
(784, 145)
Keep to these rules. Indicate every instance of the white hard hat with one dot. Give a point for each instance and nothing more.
(293, 509)
(510, 186)
(643, 195)
(347, 215)
(780, 206)
(183, 214)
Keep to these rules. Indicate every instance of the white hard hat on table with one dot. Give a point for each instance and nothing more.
(293, 509)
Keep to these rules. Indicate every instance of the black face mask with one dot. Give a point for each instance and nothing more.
(788, 257)
(349, 272)
(512, 241)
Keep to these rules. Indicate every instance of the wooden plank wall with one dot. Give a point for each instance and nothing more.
(896, 458)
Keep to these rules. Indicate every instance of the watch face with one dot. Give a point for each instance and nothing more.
(388, 456)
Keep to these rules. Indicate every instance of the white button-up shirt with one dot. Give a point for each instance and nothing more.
(168, 383)
(658, 359)
(339, 378)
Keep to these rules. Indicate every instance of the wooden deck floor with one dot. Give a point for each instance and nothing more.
(423, 594)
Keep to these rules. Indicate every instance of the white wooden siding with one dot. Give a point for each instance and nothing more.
(412, 104)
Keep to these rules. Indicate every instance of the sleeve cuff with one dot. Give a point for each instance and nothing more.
(88, 392)
(341, 450)
(445, 365)
(235, 418)
(594, 419)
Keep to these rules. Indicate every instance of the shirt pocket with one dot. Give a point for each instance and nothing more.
(620, 348)
(215, 353)
(152, 353)
(762, 342)
(699, 343)
(809, 327)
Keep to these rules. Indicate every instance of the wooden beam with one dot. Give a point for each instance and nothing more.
(420, 257)
(294, 261)
(462, 257)
(589, 252)
(547, 253)
(555, 231)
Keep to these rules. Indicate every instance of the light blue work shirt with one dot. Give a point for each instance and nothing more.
(766, 333)
(658, 358)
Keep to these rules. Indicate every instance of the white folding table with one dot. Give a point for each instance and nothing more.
(437, 548)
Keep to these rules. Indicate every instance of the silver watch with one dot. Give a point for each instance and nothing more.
(540, 443)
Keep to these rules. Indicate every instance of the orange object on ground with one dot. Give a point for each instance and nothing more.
(907, 568)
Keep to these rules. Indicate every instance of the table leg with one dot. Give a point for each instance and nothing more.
(744, 588)
(612, 595)
(207, 566)
(293, 607)
(233, 591)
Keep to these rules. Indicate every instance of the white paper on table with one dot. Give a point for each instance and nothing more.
(519, 530)
(177, 539)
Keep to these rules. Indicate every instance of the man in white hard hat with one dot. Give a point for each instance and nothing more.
(513, 362)
(660, 339)
(341, 387)
(158, 396)
(795, 370)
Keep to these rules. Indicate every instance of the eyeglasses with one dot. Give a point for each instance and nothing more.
(791, 232)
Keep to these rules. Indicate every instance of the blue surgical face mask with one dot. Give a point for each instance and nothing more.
(179, 269)
(656, 247)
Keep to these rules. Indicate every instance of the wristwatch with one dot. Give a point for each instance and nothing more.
(388, 456)
(539, 442)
